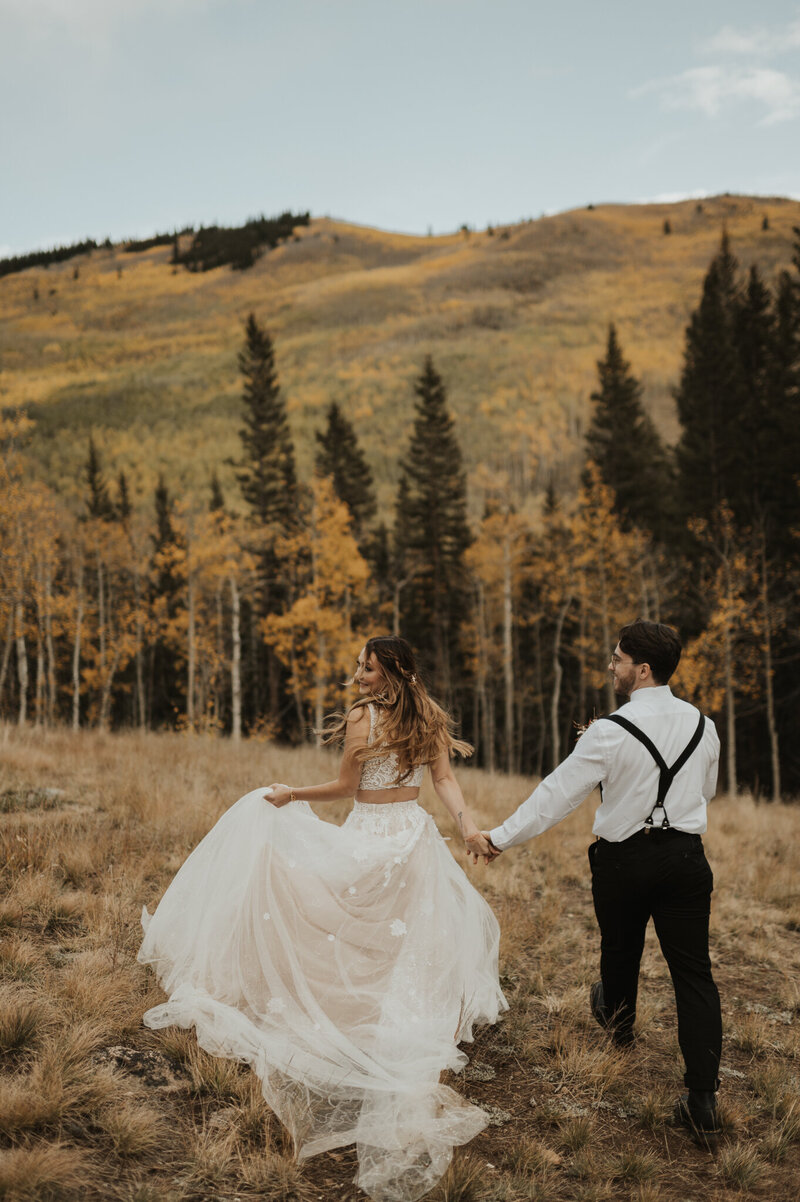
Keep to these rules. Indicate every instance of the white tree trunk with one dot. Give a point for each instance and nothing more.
(108, 670)
(191, 657)
(730, 698)
(39, 691)
(140, 700)
(101, 617)
(558, 673)
(6, 653)
(482, 692)
(772, 726)
(236, 663)
(51, 656)
(582, 715)
(105, 697)
(508, 655)
(39, 688)
(76, 657)
(611, 700)
(22, 664)
(319, 687)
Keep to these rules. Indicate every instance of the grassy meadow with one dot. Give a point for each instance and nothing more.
(145, 355)
(95, 1107)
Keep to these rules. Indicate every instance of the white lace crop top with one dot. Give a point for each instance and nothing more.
(381, 771)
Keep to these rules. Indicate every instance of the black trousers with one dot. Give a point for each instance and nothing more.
(664, 875)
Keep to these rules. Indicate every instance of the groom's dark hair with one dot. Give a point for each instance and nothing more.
(652, 643)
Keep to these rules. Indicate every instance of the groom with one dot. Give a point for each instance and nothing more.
(656, 762)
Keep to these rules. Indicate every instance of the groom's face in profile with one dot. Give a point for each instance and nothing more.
(623, 672)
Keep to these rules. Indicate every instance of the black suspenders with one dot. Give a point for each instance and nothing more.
(666, 775)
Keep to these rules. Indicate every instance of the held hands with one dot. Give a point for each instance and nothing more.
(480, 847)
(278, 795)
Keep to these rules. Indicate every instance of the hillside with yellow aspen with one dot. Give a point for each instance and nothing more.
(143, 354)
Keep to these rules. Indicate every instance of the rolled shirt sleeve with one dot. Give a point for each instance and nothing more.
(559, 793)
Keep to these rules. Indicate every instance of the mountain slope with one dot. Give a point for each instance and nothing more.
(145, 355)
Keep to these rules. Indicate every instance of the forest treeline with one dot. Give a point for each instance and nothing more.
(245, 616)
(237, 246)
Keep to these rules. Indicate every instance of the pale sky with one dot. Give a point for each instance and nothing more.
(126, 117)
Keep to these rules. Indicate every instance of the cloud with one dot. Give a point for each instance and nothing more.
(731, 80)
(710, 90)
(671, 198)
(754, 43)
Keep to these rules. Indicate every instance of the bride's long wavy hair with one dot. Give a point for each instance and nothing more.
(410, 724)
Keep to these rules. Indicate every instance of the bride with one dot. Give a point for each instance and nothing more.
(344, 964)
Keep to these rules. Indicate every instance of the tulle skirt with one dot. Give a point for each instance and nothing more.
(344, 964)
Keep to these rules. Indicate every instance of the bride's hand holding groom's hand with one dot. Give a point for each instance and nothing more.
(489, 852)
(480, 847)
(477, 847)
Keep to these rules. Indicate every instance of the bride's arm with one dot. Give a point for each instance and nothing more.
(449, 793)
(346, 782)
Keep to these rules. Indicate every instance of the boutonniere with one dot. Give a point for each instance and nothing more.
(582, 727)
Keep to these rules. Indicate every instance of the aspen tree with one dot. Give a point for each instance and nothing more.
(16, 559)
(557, 583)
(77, 568)
(314, 638)
(497, 560)
(606, 569)
(42, 529)
(721, 662)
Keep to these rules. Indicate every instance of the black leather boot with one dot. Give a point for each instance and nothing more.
(697, 1110)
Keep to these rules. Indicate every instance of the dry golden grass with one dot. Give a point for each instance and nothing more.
(46, 1173)
(93, 1106)
(515, 322)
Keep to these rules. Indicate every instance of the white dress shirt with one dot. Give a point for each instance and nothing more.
(608, 754)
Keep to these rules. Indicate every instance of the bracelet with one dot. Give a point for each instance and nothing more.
(291, 795)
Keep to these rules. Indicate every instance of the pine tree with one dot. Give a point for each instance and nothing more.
(98, 503)
(377, 550)
(433, 533)
(268, 481)
(266, 475)
(340, 457)
(756, 442)
(166, 698)
(709, 396)
(123, 506)
(217, 501)
(785, 388)
(625, 445)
